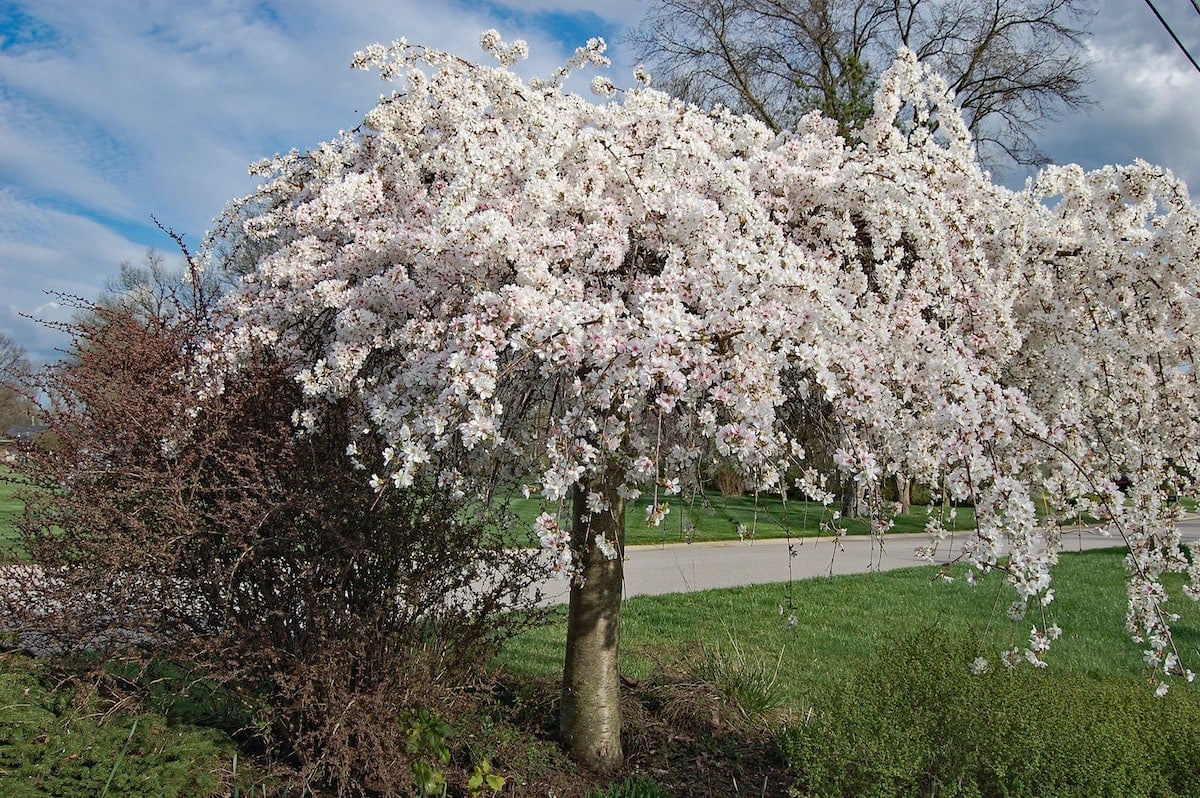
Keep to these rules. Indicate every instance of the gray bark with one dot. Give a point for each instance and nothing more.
(590, 723)
(904, 494)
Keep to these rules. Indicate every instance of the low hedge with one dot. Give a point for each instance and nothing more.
(52, 744)
(916, 722)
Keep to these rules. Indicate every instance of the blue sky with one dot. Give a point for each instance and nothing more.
(113, 110)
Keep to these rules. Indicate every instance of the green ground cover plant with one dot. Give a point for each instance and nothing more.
(912, 723)
(631, 788)
(56, 742)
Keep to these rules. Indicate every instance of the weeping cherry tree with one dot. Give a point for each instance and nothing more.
(607, 297)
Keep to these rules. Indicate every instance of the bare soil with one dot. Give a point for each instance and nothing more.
(678, 735)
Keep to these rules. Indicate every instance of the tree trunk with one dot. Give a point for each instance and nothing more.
(851, 496)
(904, 494)
(590, 724)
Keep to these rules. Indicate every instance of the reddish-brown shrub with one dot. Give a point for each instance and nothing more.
(213, 535)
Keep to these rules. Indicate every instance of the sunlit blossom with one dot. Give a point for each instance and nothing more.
(679, 289)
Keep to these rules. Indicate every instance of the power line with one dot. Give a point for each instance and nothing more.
(1173, 36)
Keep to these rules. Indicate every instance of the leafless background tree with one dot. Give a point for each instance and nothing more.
(153, 288)
(1012, 64)
(16, 406)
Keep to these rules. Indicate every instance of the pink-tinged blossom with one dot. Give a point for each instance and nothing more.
(596, 503)
(655, 513)
(605, 546)
(504, 271)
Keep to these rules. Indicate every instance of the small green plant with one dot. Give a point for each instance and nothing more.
(711, 686)
(483, 779)
(918, 723)
(427, 737)
(748, 684)
(120, 758)
(637, 787)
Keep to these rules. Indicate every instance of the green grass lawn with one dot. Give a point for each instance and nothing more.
(713, 517)
(707, 518)
(842, 625)
(10, 508)
(842, 621)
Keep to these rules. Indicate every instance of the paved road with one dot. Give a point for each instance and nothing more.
(683, 568)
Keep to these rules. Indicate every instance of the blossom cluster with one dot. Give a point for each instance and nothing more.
(638, 288)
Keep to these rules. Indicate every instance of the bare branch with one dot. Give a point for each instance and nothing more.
(1013, 64)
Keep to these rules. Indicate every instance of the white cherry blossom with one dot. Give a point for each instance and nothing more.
(504, 270)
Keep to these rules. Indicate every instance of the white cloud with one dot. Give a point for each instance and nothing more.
(46, 250)
(177, 99)
(1147, 96)
(112, 110)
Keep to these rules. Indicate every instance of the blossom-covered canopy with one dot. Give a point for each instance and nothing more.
(630, 289)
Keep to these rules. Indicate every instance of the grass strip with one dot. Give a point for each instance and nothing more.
(824, 628)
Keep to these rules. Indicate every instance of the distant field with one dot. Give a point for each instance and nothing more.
(10, 508)
(714, 517)
(708, 518)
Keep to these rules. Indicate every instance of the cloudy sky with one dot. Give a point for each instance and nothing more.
(114, 110)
